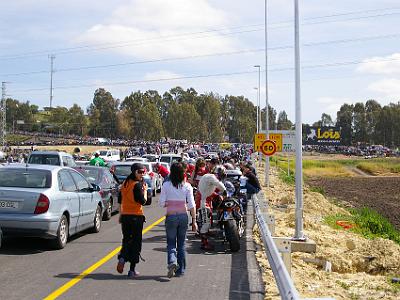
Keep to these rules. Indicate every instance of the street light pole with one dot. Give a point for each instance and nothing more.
(259, 123)
(258, 116)
(299, 234)
(266, 182)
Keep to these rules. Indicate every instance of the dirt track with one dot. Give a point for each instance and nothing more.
(379, 193)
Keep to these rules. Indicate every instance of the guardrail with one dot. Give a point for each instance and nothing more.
(284, 282)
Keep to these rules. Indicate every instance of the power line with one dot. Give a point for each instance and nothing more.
(327, 65)
(103, 46)
(283, 47)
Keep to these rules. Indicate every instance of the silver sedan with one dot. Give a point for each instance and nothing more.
(47, 201)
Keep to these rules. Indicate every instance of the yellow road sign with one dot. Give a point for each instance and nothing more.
(277, 138)
(259, 138)
(268, 147)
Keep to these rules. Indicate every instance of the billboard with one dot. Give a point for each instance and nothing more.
(322, 136)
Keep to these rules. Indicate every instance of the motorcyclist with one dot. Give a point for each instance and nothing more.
(97, 160)
(208, 188)
(160, 169)
(198, 172)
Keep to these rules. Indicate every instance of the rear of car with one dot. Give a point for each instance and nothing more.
(36, 202)
(109, 154)
(54, 158)
(24, 202)
(170, 158)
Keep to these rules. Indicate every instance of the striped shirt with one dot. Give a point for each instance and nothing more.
(176, 200)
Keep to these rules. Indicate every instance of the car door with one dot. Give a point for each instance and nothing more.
(87, 203)
(68, 187)
(114, 188)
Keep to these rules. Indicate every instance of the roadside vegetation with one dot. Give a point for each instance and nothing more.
(340, 167)
(366, 222)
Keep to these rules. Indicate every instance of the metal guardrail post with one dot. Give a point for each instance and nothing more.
(285, 284)
(284, 247)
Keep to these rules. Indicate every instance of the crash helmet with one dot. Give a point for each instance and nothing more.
(220, 172)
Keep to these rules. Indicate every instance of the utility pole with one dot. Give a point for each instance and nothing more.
(52, 57)
(3, 116)
(299, 234)
(266, 182)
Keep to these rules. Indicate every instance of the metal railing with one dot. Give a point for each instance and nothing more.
(284, 282)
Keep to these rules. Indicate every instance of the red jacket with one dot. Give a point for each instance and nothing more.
(163, 171)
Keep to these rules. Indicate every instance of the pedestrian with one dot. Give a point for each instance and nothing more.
(97, 160)
(132, 197)
(177, 197)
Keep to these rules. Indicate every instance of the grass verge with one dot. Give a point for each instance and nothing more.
(367, 222)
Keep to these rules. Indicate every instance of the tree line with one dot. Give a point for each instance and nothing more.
(186, 114)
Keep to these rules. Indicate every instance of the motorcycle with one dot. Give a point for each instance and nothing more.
(230, 220)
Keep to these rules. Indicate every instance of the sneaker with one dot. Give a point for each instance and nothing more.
(120, 265)
(133, 274)
(172, 269)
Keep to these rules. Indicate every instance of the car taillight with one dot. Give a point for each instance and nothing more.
(102, 193)
(151, 174)
(42, 205)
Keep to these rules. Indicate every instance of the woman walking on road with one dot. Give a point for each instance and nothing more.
(132, 196)
(177, 197)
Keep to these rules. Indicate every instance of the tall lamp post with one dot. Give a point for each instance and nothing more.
(266, 182)
(258, 115)
(259, 126)
(299, 234)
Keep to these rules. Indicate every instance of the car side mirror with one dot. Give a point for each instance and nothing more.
(95, 188)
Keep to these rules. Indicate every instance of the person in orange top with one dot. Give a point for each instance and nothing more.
(132, 197)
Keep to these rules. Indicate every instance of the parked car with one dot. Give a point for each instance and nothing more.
(109, 154)
(122, 170)
(170, 158)
(151, 157)
(47, 201)
(156, 179)
(133, 159)
(108, 187)
(55, 158)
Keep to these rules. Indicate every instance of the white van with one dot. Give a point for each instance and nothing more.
(109, 154)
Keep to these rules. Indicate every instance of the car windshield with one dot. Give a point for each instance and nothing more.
(165, 159)
(122, 171)
(44, 159)
(92, 175)
(25, 178)
(103, 153)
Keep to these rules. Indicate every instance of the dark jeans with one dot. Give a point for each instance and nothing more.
(251, 189)
(132, 227)
(176, 227)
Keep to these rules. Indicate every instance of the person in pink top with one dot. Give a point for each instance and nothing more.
(177, 197)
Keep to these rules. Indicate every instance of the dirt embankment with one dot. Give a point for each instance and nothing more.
(361, 268)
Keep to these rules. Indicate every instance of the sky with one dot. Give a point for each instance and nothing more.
(350, 50)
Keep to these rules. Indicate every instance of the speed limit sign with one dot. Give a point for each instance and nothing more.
(268, 147)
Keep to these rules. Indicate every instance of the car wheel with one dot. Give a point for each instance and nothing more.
(97, 220)
(62, 234)
(108, 212)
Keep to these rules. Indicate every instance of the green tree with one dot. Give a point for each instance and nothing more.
(360, 123)
(344, 122)
(283, 122)
(103, 114)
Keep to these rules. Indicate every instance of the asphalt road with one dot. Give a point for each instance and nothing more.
(30, 269)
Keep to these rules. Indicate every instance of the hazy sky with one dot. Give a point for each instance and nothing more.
(350, 50)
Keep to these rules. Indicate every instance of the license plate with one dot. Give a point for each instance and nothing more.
(227, 215)
(8, 204)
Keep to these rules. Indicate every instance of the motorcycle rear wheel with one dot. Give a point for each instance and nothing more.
(232, 235)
